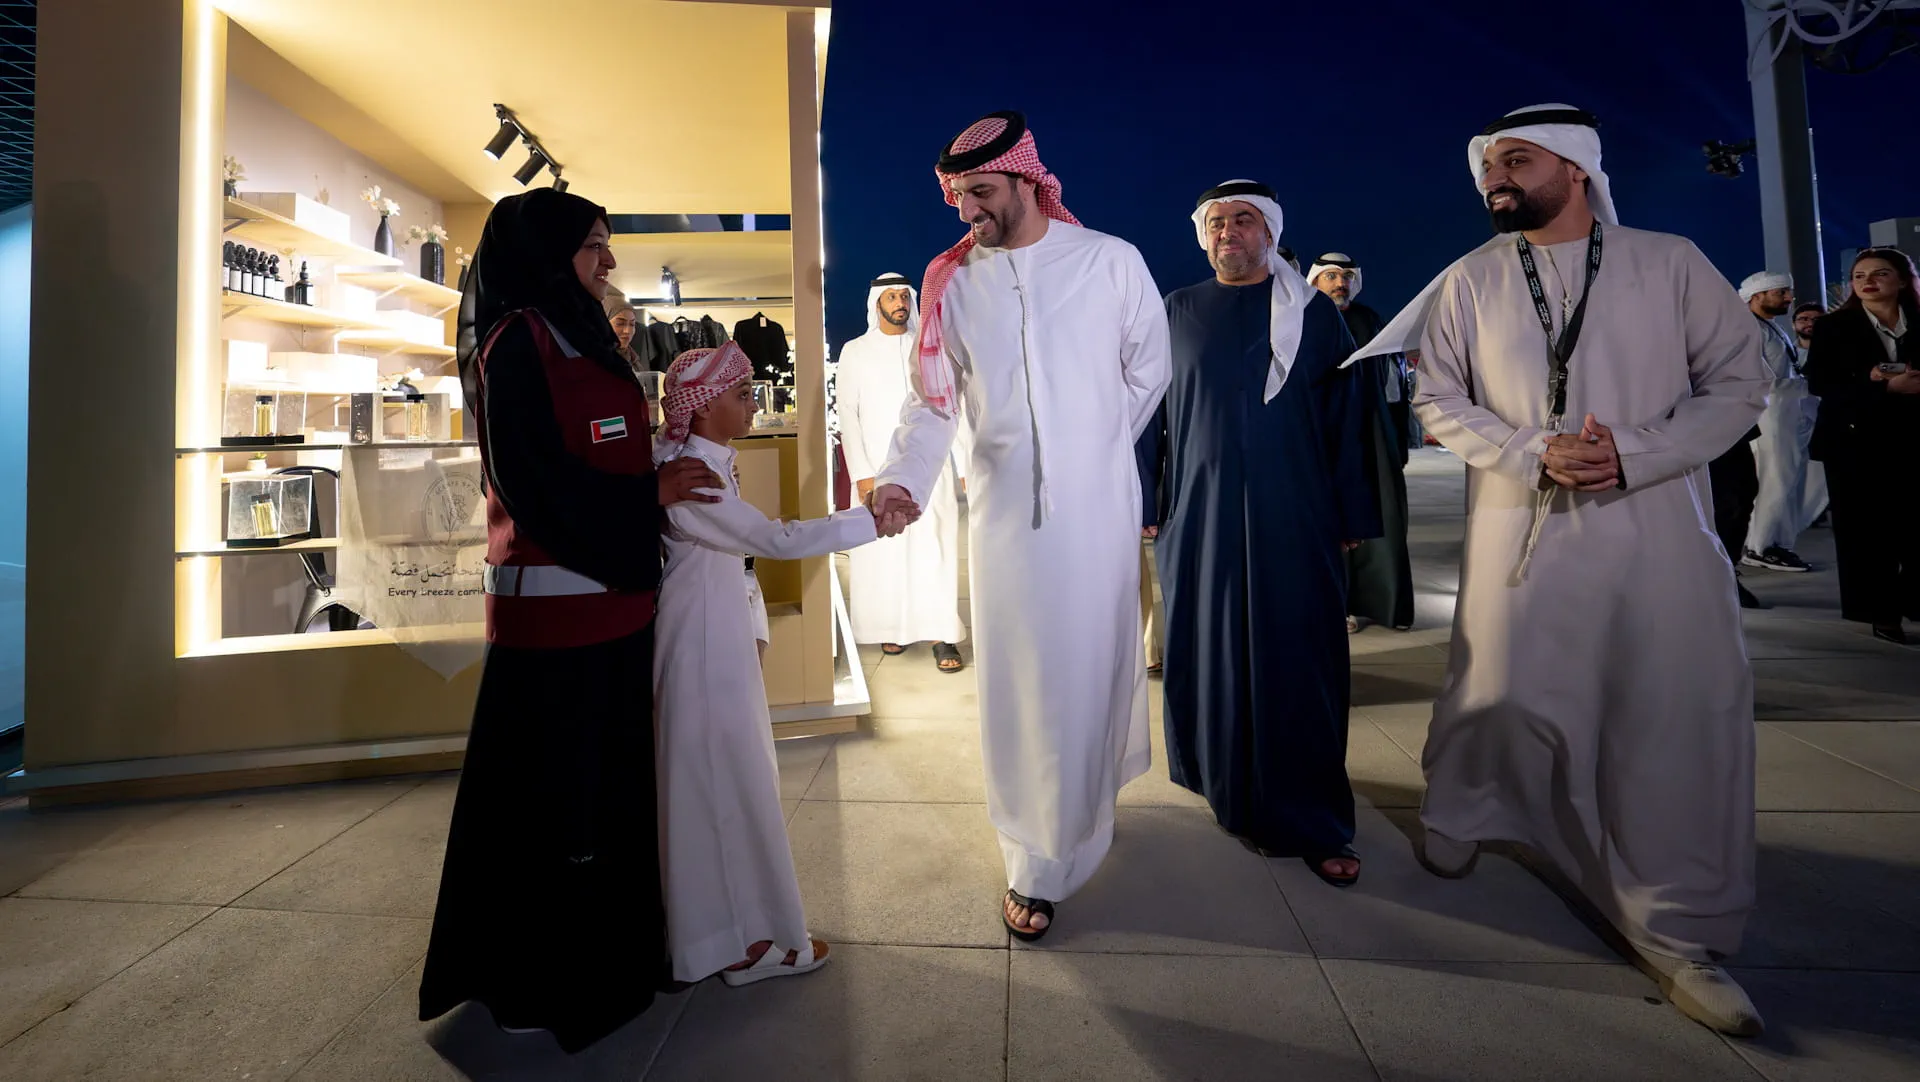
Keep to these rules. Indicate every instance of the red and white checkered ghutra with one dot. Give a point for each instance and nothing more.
(696, 378)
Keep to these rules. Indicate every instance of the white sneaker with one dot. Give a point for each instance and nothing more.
(1447, 858)
(1707, 994)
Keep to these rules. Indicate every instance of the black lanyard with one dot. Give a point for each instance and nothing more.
(1561, 349)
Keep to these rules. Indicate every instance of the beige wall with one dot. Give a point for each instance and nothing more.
(105, 330)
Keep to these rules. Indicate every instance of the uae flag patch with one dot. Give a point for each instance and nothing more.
(613, 428)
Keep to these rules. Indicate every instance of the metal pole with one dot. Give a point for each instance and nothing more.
(1789, 198)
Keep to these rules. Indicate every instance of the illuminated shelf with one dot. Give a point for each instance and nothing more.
(387, 445)
(296, 315)
(318, 544)
(333, 640)
(391, 341)
(399, 283)
(261, 226)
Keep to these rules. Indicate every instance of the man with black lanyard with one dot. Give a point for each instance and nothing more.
(1599, 704)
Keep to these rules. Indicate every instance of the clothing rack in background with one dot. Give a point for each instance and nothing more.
(709, 302)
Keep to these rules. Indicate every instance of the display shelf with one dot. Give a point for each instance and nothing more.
(318, 544)
(325, 640)
(384, 445)
(295, 315)
(248, 222)
(389, 282)
(387, 339)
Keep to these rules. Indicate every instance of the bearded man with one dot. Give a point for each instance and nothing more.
(1598, 706)
(1052, 340)
(1265, 490)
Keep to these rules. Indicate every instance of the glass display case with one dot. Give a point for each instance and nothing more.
(266, 510)
(414, 417)
(263, 415)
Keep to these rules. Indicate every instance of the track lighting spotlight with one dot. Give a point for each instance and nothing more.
(535, 162)
(559, 182)
(502, 139)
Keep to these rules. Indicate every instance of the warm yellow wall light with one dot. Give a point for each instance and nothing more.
(196, 387)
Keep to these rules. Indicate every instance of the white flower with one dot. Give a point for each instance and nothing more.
(388, 208)
(438, 233)
(372, 196)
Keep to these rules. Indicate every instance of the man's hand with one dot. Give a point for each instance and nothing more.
(678, 479)
(1587, 462)
(1349, 546)
(1905, 383)
(865, 487)
(893, 510)
(1150, 532)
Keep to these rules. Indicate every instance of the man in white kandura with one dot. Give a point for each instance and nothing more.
(1599, 705)
(1053, 341)
(1782, 509)
(905, 589)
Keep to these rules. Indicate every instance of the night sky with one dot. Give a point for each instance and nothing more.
(1357, 113)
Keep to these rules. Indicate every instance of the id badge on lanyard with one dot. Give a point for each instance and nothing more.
(1560, 349)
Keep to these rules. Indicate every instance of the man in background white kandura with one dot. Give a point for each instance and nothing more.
(905, 589)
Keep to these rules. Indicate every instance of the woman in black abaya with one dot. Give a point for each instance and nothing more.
(549, 909)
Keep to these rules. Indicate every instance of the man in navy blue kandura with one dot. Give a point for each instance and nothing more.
(1265, 488)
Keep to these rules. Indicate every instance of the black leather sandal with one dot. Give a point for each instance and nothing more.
(1031, 905)
(1318, 864)
(946, 657)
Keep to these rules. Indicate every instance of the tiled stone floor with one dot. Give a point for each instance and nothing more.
(279, 934)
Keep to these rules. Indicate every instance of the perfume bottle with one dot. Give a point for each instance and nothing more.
(303, 289)
(246, 270)
(256, 285)
(417, 416)
(234, 284)
(226, 264)
(266, 516)
(263, 415)
(276, 289)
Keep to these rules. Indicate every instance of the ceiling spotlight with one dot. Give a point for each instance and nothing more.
(1723, 159)
(535, 162)
(559, 184)
(502, 139)
(669, 287)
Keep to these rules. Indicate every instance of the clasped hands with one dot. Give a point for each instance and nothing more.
(1586, 462)
(892, 508)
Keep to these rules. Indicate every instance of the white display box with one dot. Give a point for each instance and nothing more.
(414, 327)
(304, 212)
(247, 361)
(352, 300)
(328, 373)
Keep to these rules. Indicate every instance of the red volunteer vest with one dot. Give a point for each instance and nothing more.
(584, 395)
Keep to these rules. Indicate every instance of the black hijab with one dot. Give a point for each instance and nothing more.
(525, 260)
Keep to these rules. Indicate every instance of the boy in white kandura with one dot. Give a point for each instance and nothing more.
(733, 904)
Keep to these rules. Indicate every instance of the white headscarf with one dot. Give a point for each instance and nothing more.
(1336, 261)
(1562, 129)
(1291, 293)
(884, 283)
(1763, 281)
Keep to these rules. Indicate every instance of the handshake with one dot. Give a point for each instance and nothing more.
(893, 510)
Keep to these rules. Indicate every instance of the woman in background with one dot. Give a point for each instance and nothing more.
(1864, 366)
